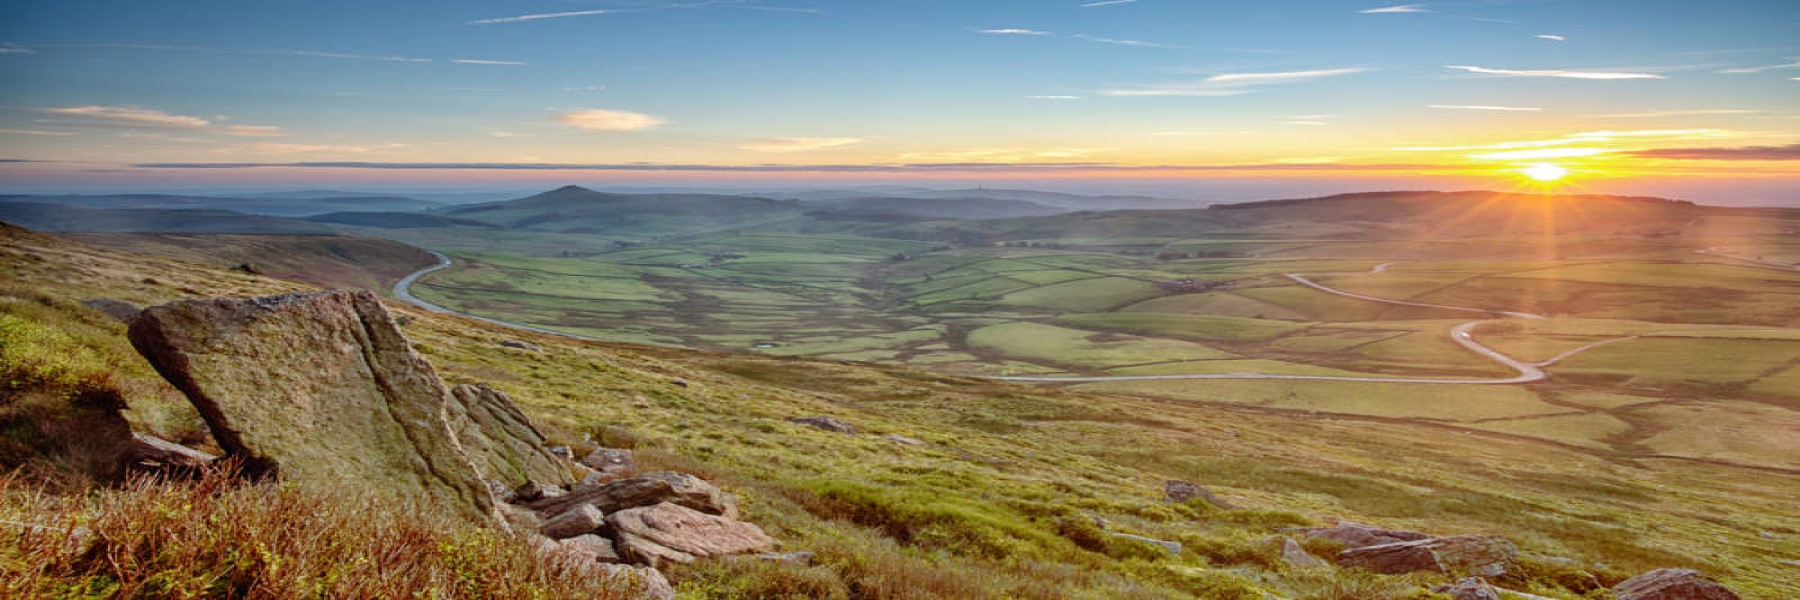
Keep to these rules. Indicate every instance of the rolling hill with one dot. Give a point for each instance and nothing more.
(293, 204)
(331, 261)
(574, 209)
(63, 218)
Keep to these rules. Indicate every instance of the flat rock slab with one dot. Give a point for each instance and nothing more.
(504, 444)
(673, 533)
(317, 388)
(1357, 535)
(1460, 556)
(1672, 584)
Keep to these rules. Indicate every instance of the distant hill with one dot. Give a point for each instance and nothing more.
(333, 261)
(63, 218)
(397, 220)
(1376, 215)
(293, 204)
(943, 208)
(1066, 202)
(575, 209)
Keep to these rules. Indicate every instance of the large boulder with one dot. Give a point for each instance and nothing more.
(695, 493)
(1672, 584)
(501, 440)
(317, 388)
(608, 497)
(1460, 556)
(666, 532)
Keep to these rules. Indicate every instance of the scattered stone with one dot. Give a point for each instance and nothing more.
(803, 558)
(153, 454)
(1296, 556)
(501, 439)
(1672, 584)
(1173, 548)
(247, 268)
(679, 383)
(1357, 535)
(668, 532)
(609, 463)
(831, 424)
(117, 309)
(499, 491)
(644, 583)
(521, 345)
(1767, 535)
(520, 518)
(903, 440)
(1471, 588)
(580, 520)
(696, 493)
(1461, 556)
(589, 547)
(533, 491)
(562, 452)
(1179, 491)
(317, 388)
(609, 497)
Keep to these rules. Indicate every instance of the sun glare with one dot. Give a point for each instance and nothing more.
(1544, 172)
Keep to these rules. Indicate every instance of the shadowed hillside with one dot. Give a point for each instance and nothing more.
(574, 209)
(332, 261)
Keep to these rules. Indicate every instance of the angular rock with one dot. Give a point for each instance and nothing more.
(117, 309)
(672, 533)
(1296, 556)
(903, 440)
(317, 388)
(589, 548)
(610, 463)
(533, 491)
(581, 520)
(521, 345)
(608, 497)
(563, 452)
(500, 439)
(640, 582)
(153, 454)
(1178, 491)
(1470, 588)
(1357, 535)
(831, 424)
(1672, 584)
(696, 493)
(1173, 548)
(801, 558)
(1459, 556)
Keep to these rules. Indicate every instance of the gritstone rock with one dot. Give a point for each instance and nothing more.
(316, 388)
(500, 439)
(1462, 555)
(1672, 584)
(831, 424)
(667, 532)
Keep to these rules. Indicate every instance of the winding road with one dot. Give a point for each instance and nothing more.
(1461, 334)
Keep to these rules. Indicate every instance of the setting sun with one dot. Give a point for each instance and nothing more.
(1545, 172)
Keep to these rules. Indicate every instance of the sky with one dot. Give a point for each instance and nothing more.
(1208, 99)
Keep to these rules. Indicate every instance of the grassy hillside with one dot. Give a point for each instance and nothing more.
(331, 261)
(1000, 500)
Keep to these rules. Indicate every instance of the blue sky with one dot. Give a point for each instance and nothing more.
(1192, 95)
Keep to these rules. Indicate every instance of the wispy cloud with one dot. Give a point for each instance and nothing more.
(1788, 152)
(476, 61)
(1279, 76)
(1786, 65)
(1680, 113)
(130, 117)
(1553, 38)
(1106, 3)
(1484, 107)
(800, 144)
(1402, 8)
(317, 54)
(998, 155)
(1230, 84)
(1194, 133)
(1554, 73)
(11, 48)
(585, 88)
(1122, 42)
(276, 148)
(1054, 97)
(1540, 154)
(1014, 31)
(36, 132)
(1585, 137)
(540, 16)
(599, 119)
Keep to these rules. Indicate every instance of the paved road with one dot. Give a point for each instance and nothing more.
(1528, 372)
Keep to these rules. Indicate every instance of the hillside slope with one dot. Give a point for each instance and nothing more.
(574, 209)
(1001, 497)
(333, 261)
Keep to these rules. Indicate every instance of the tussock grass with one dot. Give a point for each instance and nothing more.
(219, 538)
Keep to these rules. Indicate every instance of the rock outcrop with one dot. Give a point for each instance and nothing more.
(668, 532)
(501, 440)
(831, 424)
(1470, 588)
(316, 387)
(1178, 491)
(1672, 584)
(1356, 535)
(1461, 555)
(1296, 556)
(151, 454)
(610, 463)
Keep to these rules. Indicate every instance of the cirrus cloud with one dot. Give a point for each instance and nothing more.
(1788, 152)
(1554, 73)
(131, 117)
(601, 119)
(799, 144)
